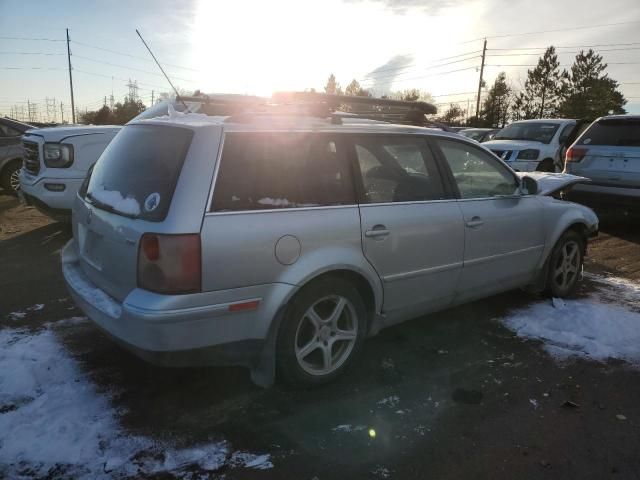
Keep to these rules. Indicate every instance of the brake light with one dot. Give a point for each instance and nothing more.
(575, 154)
(169, 264)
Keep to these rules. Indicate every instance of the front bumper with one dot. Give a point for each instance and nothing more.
(47, 200)
(146, 324)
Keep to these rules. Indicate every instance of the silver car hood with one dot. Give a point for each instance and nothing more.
(513, 144)
(550, 183)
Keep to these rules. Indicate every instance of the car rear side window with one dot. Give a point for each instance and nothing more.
(620, 132)
(137, 173)
(281, 170)
(397, 169)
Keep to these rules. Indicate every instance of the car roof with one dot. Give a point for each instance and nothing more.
(620, 117)
(546, 120)
(20, 126)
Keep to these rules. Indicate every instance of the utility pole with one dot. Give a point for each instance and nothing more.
(484, 51)
(73, 108)
(152, 92)
(61, 113)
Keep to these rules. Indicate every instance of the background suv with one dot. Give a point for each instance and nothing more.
(280, 240)
(11, 153)
(608, 153)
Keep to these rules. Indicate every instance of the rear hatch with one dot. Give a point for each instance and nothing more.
(610, 151)
(129, 192)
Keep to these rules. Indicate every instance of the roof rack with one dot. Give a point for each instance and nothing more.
(242, 108)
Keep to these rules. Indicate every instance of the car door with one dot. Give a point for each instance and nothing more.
(412, 230)
(504, 230)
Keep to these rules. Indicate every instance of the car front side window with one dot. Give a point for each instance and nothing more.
(476, 173)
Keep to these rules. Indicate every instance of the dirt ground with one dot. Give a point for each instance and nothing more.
(463, 382)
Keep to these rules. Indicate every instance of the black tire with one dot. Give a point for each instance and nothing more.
(296, 325)
(546, 165)
(563, 275)
(9, 175)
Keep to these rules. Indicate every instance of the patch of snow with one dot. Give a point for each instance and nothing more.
(123, 204)
(17, 315)
(52, 417)
(617, 289)
(250, 460)
(276, 202)
(95, 296)
(381, 472)
(390, 402)
(346, 428)
(584, 328)
(534, 402)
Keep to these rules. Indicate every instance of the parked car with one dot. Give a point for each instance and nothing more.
(530, 145)
(280, 241)
(11, 153)
(56, 161)
(608, 153)
(479, 134)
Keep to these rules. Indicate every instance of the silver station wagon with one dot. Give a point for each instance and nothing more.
(279, 238)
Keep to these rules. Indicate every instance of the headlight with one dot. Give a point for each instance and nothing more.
(58, 155)
(529, 154)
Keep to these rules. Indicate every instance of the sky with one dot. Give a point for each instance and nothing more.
(257, 47)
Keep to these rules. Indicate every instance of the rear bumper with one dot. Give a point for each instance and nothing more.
(606, 197)
(152, 327)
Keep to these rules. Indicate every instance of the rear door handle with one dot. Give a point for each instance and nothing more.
(378, 231)
(475, 222)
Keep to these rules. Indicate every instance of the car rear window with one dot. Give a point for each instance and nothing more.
(281, 170)
(137, 173)
(619, 132)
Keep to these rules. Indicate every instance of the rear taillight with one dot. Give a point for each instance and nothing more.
(575, 154)
(169, 263)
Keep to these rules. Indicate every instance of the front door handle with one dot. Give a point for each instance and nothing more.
(475, 222)
(379, 231)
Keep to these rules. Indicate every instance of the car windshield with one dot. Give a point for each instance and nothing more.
(542, 132)
(473, 134)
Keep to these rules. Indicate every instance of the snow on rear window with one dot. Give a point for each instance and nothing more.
(138, 172)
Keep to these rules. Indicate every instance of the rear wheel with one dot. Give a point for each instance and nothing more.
(10, 178)
(322, 332)
(565, 264)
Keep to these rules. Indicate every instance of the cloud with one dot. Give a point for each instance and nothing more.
(401, 7)
(381, 78)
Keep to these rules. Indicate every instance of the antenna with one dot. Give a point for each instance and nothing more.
(162, 70)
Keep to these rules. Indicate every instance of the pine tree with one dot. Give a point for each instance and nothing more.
(591, 93)
(332, 87)
(354, 89)
(495, 108)
(544, 88)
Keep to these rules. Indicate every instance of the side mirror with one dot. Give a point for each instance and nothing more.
(528, 186)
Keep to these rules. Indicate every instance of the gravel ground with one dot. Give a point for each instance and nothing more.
(454, 395)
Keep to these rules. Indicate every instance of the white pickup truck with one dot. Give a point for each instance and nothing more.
(55, 163)
(530, 145)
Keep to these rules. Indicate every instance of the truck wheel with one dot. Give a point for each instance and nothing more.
(321, 334)
(546, 165)
(565, 264)
(10, 177)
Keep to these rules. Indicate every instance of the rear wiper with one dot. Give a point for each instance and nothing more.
(106, 207)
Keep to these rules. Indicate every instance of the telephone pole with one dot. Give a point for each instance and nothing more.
(484, 51)
(61, 113)
(152, 92)
(73, 104)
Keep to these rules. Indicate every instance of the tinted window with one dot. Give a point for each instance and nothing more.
(615, 132)
(6, 131)
(477, 174)
(566, 132)
(397, 169)
(281, 170)
(533, 131)
(137, 173)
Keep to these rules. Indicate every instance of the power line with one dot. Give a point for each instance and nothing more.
(435, 74)
(33, 39)
(29, 53)
(572, 52)
(564, 29)
(31, 68)
(572, 46)
(427, 67)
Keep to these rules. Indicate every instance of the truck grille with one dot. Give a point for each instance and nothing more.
(31, 160)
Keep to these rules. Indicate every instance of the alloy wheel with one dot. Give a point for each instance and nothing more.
(14, 180)
(567, 265)
(326, 335)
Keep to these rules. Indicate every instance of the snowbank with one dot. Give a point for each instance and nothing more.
(51, 416)
(586, 328)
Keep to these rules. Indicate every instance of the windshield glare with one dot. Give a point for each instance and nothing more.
(162, 108)
(533, 131)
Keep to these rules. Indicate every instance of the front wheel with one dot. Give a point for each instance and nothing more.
(322, 332)
(10, 178)
(565, 265)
